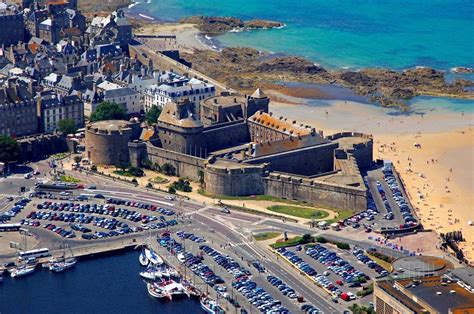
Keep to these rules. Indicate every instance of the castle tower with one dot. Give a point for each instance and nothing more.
(258, 101)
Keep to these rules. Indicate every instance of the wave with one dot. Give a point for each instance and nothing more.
(133, 4)
(146, 16)
(235, 30)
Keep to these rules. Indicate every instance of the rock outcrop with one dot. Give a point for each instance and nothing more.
(218, 24)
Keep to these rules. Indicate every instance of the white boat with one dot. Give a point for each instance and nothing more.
(153, 257)
(22, 271)
(210, 306)
(143, 259)
(167, 289)
(153, 272)
(61, 266)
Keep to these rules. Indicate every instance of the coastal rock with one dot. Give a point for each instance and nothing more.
(257, 24)
(220, 24)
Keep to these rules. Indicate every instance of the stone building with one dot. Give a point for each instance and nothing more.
(243, 149)
(18, 112)
(107, 141)
(53, 108)
(12, 29)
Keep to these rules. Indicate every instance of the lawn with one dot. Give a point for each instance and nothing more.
(69, 179)
(266, 236)
(158, 180)
(290, 242)
(302, 212)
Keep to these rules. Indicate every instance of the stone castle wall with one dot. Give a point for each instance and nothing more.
(362, 151)
(306, 161)
(317, 193)
(186, 165)
(234, 181)
(37, 147)
(108, 148)
(226, 136)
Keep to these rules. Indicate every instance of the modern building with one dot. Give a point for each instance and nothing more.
(172, 87)
(425, 285)
(53, 108)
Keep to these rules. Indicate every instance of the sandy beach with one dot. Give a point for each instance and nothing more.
(439, 176)
(186, 36)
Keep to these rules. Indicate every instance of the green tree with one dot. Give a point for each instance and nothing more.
(306, 238)
(9, 149)
(108, 111)
(94, 168)
(67, 126)
(153, 114)
(171, 190)
(77, 159)
(168, 169)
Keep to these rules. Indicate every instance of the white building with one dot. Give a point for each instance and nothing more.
(54, 108)
(172, 87)
(127, 97)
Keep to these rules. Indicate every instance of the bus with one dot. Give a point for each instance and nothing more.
(38, 253)
(9, 227)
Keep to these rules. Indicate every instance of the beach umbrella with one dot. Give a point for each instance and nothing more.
(469, 223)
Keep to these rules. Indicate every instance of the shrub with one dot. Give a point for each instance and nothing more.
(94, 168)
(171, 190)
(321, 240)
(343, 246)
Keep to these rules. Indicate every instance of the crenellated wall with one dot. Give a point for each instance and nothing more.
(360, 145)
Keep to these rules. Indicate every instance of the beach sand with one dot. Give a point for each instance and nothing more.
(186, 36)
(441, 170)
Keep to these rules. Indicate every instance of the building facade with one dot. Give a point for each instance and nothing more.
(53, 108)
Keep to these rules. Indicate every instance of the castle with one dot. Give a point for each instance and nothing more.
(238, 148)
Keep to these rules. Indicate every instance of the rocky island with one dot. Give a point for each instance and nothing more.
(217, 24)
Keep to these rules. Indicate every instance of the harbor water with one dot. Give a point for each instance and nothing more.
(100, 284)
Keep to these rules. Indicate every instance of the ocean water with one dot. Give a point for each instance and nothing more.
(105, 284)
(395, 34)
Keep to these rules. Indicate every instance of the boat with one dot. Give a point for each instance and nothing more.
(61, 266)
(154, 272)
(22, 271)
(153, 257)
(143, 259)
(210, 306)
(166, 289)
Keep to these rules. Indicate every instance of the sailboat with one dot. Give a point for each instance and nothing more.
(166, 289)
(153, 257)
(210, 306)
(142, 258)
(22, 271)
(61, 266)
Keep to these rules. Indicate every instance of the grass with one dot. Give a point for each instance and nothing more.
(290, 242)
(386, 265)
(59, 156)
(69, 179)
(302, 212)
(122, 173)
(253, 197)
(266, 236)
(158, 180)
(366, 291)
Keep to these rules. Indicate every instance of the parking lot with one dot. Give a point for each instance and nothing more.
(337, 272)
(390, 200)
(88, 219)
(216, 263)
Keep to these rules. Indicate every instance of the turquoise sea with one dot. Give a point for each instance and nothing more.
(347, 33)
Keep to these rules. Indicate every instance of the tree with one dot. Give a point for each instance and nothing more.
(108, 111)
(67, 126)
(77, 159)
(94, 168)
(168, 169)
(9, 149)
(153, 114)
(171, 190)
(306, 238)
